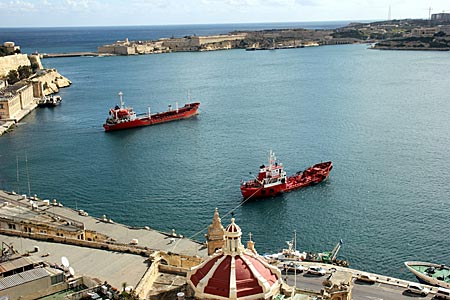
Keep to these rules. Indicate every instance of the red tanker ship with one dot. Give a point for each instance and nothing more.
(121, 117)
(272, 179)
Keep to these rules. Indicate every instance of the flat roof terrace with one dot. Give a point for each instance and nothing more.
(146, 237)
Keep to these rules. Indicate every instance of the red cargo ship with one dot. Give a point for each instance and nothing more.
(272, 179)
(121, 117)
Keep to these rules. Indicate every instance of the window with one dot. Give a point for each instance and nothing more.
(55, 279)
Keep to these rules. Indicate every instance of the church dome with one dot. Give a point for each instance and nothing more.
(234, 272)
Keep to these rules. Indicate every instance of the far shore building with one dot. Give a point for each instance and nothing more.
(11, 48)
(441, 17)
(188, 43)
(423, 32)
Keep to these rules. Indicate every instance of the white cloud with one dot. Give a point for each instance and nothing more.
(78, 4)
(17, 6)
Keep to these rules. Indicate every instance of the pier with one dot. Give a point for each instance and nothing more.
(72, 54)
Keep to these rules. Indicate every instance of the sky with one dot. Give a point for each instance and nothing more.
(61, 13)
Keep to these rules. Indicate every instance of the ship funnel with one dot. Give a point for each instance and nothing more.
(121, 100)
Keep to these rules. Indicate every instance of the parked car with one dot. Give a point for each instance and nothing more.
(367, 278)
(293, 267)
(316, 270)
(442, 294)
(416, 288)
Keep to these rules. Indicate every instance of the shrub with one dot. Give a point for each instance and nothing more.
(12, 77)
(24, 72)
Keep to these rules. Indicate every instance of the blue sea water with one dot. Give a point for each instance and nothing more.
(380, 116)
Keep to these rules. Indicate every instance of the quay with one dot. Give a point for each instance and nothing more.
(108, 257)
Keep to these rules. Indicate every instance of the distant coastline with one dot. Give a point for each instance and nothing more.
(393, 35)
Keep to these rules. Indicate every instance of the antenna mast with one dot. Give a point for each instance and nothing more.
(389, 13)
(17, 170)
(28, 175)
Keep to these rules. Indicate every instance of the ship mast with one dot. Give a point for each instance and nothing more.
(295, 249)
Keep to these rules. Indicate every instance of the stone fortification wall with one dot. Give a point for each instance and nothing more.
(133, 48)
(182, 44)
(219, 38)
(35, 59)
(12, 62)
(52, 81)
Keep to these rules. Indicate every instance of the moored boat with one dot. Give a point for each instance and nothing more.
(121, 117)
(430, 273)
(50, 101)
(292, 254)
(272, 179)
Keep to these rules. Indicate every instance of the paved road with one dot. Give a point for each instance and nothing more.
(361, 290)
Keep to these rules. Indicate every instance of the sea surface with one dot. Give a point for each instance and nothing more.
(382, 117)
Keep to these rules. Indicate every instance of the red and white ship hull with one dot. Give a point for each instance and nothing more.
(259, 189)
(187, 111)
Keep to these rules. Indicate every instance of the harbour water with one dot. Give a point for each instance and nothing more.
(380, 116)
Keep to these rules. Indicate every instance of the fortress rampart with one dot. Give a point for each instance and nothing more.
(12, 62)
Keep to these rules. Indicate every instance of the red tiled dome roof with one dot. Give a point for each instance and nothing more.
(235, 272)
(232, 228)
(252, 276)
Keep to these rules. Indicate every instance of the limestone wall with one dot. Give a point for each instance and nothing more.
(12, 62)
(52, 81)
(35, 59)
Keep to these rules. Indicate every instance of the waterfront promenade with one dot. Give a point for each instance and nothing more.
(5, 125)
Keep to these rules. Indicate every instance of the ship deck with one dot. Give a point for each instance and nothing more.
(442, 274)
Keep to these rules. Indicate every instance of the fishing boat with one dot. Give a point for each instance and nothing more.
(49, 101)
(272, 179)
(292, 254)
(121, 117)
(430, 273)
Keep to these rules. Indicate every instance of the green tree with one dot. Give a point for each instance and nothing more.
(12, 77)
(34, 67)
(3, 51)
(24, 72)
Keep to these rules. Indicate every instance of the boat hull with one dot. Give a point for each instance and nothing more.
(313, 175)
(188, 111)
(418, 269)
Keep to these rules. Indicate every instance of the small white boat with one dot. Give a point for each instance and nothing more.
(429, 273)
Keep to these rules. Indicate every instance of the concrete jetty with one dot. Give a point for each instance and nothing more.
(72, 54)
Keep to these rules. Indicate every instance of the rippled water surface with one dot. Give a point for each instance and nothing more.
(380, 116)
